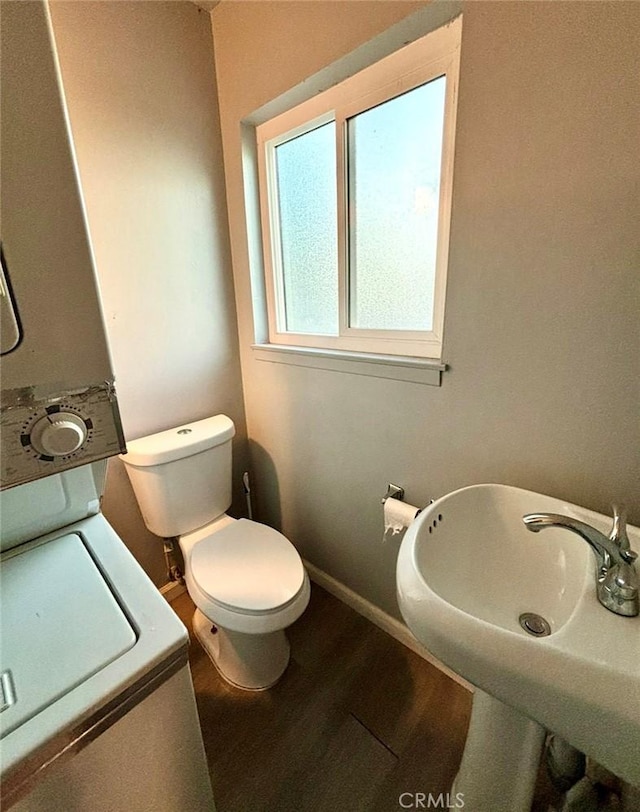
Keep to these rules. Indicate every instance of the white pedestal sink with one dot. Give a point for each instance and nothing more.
(468, 568)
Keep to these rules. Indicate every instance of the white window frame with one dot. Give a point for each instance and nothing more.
(434, 55)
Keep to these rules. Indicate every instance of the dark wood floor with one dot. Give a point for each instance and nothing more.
(356, 720)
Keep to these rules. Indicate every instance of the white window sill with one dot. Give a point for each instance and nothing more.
(397, 368)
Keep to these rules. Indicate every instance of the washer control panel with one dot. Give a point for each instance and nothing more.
(43, 437)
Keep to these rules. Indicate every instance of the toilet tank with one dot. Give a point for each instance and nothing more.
(182, 477)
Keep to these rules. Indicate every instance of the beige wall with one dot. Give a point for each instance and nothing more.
(140, 85)
(542, 329)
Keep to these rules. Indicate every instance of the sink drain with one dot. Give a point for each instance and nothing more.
(534, 624)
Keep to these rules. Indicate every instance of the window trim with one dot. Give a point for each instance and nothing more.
(433, 55)
(393, 367)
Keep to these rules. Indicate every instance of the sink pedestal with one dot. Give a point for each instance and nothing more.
(500, 760)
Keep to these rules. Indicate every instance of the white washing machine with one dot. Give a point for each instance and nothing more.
(97, 706)
(97, 711)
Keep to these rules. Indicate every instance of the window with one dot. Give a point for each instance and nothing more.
(355, 194)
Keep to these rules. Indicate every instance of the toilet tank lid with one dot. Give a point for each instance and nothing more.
(177, 443)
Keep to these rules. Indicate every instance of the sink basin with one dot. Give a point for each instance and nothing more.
(467, 570)
(476, 554)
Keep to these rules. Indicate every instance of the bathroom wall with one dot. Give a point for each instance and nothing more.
(141, 90)
(542, 330)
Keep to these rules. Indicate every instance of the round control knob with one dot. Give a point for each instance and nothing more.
(58, 434)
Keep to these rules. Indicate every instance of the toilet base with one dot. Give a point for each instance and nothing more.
(253, 662)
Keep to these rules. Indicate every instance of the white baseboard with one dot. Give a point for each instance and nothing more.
(389, 624)
(171, 590)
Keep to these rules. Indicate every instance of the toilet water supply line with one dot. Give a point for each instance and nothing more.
(247, 493)
(173, 570)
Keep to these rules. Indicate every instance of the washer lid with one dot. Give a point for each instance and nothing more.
(60, 624)
(247, 566)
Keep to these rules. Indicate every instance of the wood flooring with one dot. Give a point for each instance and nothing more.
(356, 720)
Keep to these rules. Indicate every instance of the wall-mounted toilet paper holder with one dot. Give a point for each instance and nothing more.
(397, 513)
(393, 492)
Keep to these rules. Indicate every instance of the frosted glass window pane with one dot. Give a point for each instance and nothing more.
(395, 152)
(306, 184)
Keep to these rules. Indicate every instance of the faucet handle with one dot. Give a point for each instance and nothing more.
(618, 533)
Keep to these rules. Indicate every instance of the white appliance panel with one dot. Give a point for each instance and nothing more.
(45, 238)
(150, 759)
(59, 407)
(40, 507)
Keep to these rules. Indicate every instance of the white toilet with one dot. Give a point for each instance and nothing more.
(246, 579)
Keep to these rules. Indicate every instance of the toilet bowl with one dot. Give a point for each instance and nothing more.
(248, 584)
(246, 579)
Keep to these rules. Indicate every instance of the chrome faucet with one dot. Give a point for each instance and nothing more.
(616, 576)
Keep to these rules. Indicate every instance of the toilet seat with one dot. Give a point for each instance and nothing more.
(248, 568)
